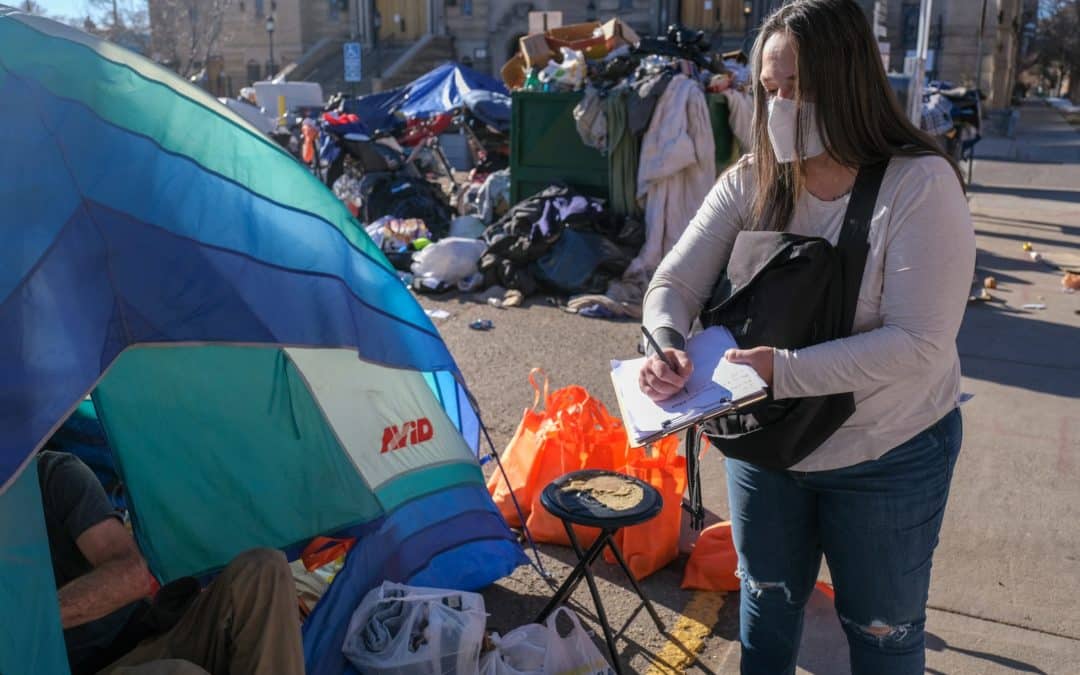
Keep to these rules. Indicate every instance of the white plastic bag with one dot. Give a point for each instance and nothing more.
(572, 653)
(449, 260)
(519, 652)
(407, 630)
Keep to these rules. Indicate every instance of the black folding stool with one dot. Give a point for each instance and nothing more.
(575, 507)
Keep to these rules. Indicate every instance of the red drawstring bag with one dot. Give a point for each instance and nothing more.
(713, 561)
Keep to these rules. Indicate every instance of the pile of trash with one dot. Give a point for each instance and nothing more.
(408, 630)
(559, 241)
(646, 106)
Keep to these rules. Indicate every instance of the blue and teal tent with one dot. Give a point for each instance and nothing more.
(261, 373)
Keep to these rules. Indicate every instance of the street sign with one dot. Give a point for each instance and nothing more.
(353, 70)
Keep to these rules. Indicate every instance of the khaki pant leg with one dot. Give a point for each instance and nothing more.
(247, 622)
(161, 667)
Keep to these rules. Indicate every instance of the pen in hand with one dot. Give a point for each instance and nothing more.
(663, 356)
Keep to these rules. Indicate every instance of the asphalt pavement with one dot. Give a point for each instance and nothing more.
(1007, 570)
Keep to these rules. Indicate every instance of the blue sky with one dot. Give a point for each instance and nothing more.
(64, 7)
(70, 8)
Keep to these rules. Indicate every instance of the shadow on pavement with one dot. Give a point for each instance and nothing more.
(934, 643)
(992, 264)
(1025, 223)
(1009, 346)
(823, 649)
(1069, 196)
(1038, 242)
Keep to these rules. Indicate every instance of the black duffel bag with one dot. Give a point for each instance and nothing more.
(789, 291)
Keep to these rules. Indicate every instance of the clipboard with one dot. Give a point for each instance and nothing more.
(717, 387)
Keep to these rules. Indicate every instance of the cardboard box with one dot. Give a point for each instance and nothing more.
(542, 22)
(513, 72)
(618, 33)
(535, 50)
(584, 37)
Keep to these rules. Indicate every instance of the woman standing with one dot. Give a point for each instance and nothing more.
(870, 498)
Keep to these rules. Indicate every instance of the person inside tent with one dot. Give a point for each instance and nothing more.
(245, 622)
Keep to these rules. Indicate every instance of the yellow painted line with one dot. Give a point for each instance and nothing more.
(688, 637)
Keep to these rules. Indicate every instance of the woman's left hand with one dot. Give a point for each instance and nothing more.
(758, 358)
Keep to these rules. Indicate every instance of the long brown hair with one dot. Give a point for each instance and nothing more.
(838, 68)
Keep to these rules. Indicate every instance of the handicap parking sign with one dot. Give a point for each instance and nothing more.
(353, 71)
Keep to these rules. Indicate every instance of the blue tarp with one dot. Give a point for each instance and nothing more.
(439, 90)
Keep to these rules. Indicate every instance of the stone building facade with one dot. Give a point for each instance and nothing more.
(241, 52)
(954, 38)
(484, 33)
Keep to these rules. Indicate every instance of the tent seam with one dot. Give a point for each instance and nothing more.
(284, 268)
(82, 204)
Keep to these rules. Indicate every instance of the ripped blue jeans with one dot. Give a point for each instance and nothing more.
(877, 525)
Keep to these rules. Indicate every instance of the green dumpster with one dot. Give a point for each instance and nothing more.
(545, 147)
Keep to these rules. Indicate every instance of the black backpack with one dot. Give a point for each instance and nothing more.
(789, 291)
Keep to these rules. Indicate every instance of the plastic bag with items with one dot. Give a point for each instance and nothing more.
(449, 260)
(570, 650)
(558, 647)
(519, 652)
(407, 630)
(568, 73)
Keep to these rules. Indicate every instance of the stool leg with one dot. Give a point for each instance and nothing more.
(604, 536)
(576, 576)
(637, 587)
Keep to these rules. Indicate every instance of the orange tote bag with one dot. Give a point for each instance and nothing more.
(520, 459)
(580, 434)
(651, 545)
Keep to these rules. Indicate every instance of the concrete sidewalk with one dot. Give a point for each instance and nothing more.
(1042, 136)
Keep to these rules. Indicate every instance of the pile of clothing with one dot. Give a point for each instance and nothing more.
(654, 125)
(488, 199)
(559, 241)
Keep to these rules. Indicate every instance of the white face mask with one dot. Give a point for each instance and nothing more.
(782, 115)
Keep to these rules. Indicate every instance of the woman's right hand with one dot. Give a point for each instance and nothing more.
(658, 381)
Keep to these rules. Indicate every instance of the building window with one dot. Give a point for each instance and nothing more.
(259, 9)
(242, 7)
(626, 4)
(334, 10)
(466, 7)
(253, 71)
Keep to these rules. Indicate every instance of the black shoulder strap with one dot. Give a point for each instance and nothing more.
(854, 242)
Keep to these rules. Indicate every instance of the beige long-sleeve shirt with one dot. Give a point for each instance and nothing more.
(901, 362)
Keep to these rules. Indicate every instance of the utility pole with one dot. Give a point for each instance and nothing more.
(978, 82)
(979, 48)
(915, 90)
